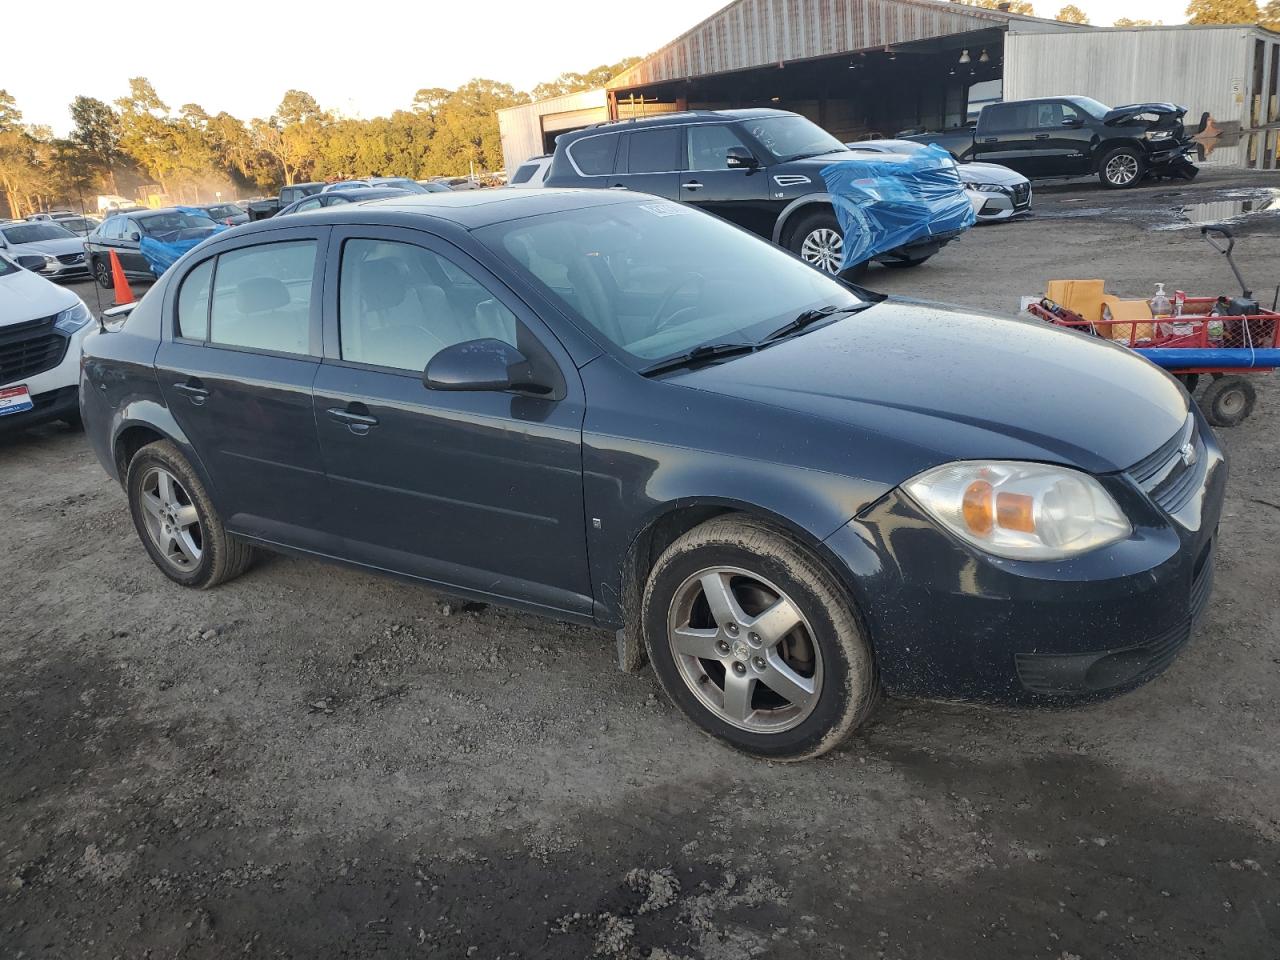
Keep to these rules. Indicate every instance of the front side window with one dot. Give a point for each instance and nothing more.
(709, 145)
(112, 229)
(1051, 115)
(262, 297)
(653, 151)
(658, 278)
(400, 304)
(791, 137)
(193, 302)
(594, 155)
(309, 204)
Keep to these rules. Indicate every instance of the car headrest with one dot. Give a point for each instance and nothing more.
(260, 294)
(382, 283)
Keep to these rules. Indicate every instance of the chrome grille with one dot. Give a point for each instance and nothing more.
(1021, 193)
(71, 258)
(1172, 475)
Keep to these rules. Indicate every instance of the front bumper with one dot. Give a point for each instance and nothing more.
(1002, 205)
(58, 404)
(947, 621)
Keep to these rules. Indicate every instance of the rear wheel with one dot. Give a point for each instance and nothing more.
(177, 522)
(755, 642)
(1122, 167)
(102, 273)
(1228, 401)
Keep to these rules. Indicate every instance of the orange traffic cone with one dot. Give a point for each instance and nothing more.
(123, 293)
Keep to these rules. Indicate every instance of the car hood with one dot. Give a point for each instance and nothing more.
(944, 384)
(53, 248)
(1161, 115)
(989, 173)
(27, 296)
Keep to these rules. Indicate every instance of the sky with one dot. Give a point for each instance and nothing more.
(359, 60)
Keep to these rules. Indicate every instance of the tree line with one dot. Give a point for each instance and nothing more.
(140, 139)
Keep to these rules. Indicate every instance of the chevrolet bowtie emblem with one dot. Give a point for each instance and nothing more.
(1188, 454)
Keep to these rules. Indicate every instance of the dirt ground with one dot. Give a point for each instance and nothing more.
(311, 762)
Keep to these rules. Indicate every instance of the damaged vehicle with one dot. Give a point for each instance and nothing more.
(616, 410)
(771, 171)
(146, 242)
(1076, 136)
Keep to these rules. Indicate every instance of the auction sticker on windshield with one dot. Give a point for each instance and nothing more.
(665, 209)
(15, 400)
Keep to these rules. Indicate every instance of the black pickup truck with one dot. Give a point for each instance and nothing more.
(1076, 136)
(265, 209)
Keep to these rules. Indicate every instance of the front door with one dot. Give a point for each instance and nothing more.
(477, 490)
(129, 248)
(236, 370)
(738, 194)
(1063, 142)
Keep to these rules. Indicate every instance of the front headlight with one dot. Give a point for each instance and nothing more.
(1023, 511)
(987, 187)
(73, 318)
(1159, 134)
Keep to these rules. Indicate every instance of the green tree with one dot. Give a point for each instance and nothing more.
(1127, 22)
(574, 82)
(1022, 7)
(1071, 14)
(20, 175)
(1223, 11)
(1271, 15)
(97, 133)
(10, 115)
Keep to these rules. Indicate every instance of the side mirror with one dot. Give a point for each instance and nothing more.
(486, 364)
(135, 236)
(31, 263)
(740, 158)
(1071, 121)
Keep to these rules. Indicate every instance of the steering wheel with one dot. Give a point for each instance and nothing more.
(658, 321)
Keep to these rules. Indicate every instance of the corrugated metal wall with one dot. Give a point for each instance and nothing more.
(1205, 70)
(755, 33)
(521, 127)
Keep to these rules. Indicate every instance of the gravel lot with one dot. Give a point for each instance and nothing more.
(313, 762)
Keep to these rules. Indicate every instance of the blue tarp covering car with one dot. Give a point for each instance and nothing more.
(171, 234)
(891, 201)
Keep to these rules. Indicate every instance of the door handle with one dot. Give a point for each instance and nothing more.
(991, 140)
(693, 185)
(358, 423)
(618, 186)
(1042, 136)
(194, 389)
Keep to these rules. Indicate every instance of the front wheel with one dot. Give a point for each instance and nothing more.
(1120, 168)
(753, 639)
(177, 522)
(818, 241)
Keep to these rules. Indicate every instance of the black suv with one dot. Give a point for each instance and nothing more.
(760, 169)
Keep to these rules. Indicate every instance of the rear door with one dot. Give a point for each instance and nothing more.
(1006, 135)
(479, 490)
(737, 194)
(650, 162)
(236, 367)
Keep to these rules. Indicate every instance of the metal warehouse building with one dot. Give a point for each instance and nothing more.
(874, 68)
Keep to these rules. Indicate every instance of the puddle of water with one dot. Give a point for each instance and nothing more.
(1231, 208)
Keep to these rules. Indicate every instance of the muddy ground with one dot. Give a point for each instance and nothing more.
(311, 762)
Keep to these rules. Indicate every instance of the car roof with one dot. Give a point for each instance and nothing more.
(468, 210)
(684, 117)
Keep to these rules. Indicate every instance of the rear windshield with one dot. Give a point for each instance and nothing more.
(34, 232)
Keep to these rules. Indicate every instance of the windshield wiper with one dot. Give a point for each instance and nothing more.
(707, 351)
(809, 317)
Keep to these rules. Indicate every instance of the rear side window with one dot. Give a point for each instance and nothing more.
(594, 155)
(653, 151)
(1006, 117)
(193, 302)
(113, 229)
(262, 297)
(525, 173)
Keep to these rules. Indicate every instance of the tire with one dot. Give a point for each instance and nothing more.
(817, 240)
(1121, 168)
(822, 665)
(1189, 381)
(73, 421)
(1228, 401)
(181, 530)
(102, 273)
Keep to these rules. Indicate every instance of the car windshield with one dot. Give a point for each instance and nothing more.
(224, 210)
(658, 279)
(174, 220)
(793, 137)
(35, 232)
(1092, 107)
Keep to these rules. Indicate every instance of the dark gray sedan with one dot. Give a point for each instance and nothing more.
(618, 410)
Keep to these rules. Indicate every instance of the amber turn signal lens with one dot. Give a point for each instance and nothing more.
(979, 515)
(1015, 511)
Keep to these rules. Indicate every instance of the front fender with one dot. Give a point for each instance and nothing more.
(799, 206)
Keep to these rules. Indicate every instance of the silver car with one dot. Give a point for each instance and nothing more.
(996, 192)
(62, 250)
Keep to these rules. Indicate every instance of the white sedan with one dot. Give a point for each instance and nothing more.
(42, 326)
(996, 192)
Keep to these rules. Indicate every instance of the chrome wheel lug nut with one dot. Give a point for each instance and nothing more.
(739, 668)
(758, 663)
(722, 646)
(731, 629)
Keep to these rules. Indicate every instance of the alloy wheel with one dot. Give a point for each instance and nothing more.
(745, 650)
(171, 519)
(101, 273)
(824, 249)
(1122, 169)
